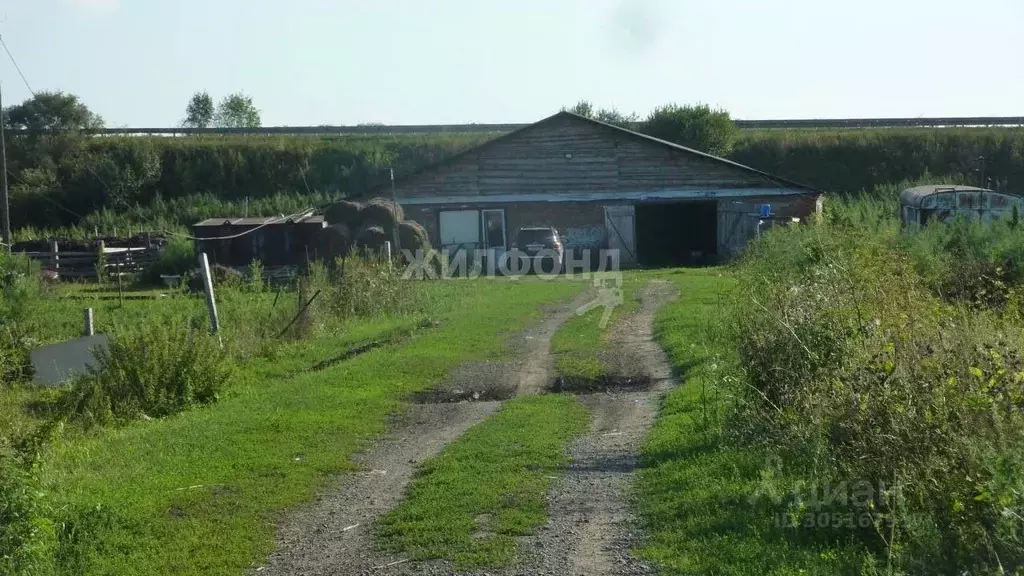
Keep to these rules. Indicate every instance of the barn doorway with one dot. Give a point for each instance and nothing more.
(677, 233)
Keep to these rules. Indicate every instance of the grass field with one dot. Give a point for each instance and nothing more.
(198, 493)
(698, 497)
(469, 503)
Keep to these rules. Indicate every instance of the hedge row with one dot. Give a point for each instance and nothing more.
(60, 183)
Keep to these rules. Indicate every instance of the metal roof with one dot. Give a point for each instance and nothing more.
(260, 221)
(914, 196)
(631, 133)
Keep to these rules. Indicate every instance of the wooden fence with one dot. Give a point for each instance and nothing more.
(85, 265)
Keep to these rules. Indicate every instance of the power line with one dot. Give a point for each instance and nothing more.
(272, 220)
(16, 67)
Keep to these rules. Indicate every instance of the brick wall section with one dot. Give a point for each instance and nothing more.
(565, 216)
(560, 215)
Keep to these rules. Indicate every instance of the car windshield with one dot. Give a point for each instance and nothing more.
(536, 236)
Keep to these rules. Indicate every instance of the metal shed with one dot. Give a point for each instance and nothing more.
(944, 203)
(274, 241)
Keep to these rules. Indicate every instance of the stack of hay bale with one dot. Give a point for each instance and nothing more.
(354, 226)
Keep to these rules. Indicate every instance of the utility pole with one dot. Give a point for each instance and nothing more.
(5, 206)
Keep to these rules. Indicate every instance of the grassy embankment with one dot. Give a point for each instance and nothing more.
(198, 492)
(852, 408)
(694, 491)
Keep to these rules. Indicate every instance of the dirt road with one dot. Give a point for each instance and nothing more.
(591, 528)
(333, 535)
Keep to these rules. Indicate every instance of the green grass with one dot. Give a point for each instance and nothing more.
(579, 342)
(57, 316)
(695, 492)
(469, 504)
(199, 493)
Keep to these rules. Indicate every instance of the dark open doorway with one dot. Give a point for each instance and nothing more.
(677, 233)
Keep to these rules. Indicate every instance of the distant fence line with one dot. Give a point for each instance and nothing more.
(972, 121)
(86, 264)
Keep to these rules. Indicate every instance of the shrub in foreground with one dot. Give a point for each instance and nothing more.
(154, 372)
(885, 401)
(28, 534)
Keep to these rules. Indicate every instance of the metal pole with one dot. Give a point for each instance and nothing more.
(394, 232)
(88, 323)
(5, 207)
(204, 269)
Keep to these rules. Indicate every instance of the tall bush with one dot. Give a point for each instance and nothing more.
(857, 374)
(17, 288)
(700, 127)
(156, 371)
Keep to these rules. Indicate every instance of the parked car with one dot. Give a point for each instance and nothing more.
(543, 246)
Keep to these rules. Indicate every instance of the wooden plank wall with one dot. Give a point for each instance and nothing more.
(570, 155)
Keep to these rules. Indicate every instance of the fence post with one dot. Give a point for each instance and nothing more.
(54, 256)
(204, 269)
(387, 251)
(88, 323)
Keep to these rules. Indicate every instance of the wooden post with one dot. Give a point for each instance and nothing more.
(387, 251)
(88, 331)
(54, 256)
(204, 269)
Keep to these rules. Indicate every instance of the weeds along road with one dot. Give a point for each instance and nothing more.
(463, 484)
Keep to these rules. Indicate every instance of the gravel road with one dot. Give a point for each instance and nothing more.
(333, 534)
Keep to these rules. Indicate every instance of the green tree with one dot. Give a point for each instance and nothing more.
(607, 115)
(613, 116)
(237, 111)
(52, 111)
(700, 127)
(582, 108)
(200, 111)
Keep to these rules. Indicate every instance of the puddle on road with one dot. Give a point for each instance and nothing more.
(601, 384)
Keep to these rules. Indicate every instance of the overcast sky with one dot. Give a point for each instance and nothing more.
(309, 62)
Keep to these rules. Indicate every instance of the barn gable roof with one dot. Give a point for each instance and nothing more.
(782, 182)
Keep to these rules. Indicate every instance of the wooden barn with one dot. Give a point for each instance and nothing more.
(600, 186)
(274, 240)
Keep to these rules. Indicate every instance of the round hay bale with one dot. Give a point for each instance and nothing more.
(412, 236)
(344, 212)
(383, 212)
(372, 237)
(335, 241)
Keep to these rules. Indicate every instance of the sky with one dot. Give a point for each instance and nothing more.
(314, 62)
